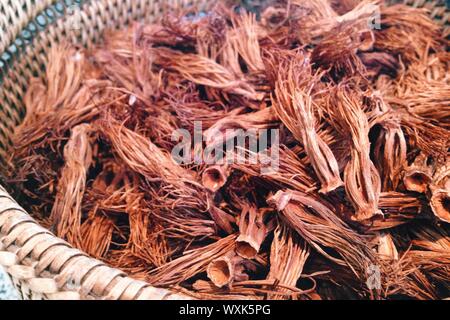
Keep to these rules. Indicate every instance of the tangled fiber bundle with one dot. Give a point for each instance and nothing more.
(357, 205)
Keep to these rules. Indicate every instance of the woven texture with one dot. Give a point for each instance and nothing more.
(41, 265)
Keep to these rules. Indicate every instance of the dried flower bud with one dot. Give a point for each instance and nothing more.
(204, 71)
(417, 176)
(361, 178)
(440, 204)
(390, 155)
(440, 193)
(294, 105)
(226, 269)
(253, 230)
(215, 177)
(312, 218)
(66, 212)
(228, 127)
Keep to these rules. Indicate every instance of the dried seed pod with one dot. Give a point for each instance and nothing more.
(320, 227)
(232, 125)
(214, 177)
(295, 108)
(417, 177)
(397, 202)
(341, 38)
(253, 229)
(440, 192)
(390, 154)
(224, 270)
(319, 153)
(440, 204)
(342, 60)
(204, 71)
(361, 178)
(192, 262)
(66, 212)
(364, 199)
(390, 150)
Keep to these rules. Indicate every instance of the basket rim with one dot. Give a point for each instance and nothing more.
(49, 267)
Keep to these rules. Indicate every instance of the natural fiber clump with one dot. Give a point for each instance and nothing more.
(125, 151)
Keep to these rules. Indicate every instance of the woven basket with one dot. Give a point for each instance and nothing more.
(41, 265)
